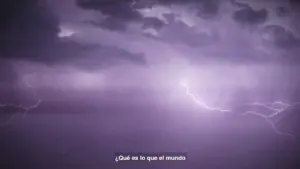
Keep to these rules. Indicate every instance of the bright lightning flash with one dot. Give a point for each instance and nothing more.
(276, 108)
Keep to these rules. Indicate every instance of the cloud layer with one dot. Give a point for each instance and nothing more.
(104, 35)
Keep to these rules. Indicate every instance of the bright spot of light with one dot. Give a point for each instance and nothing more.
(84, 80)
(65, 32)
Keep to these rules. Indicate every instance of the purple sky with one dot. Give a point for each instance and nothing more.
(104, 45)
(102, 57)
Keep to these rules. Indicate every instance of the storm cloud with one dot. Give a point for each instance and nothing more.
(97, 76)
(30, 32)
(99, 34)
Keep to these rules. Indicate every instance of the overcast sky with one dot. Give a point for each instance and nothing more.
(149, 43)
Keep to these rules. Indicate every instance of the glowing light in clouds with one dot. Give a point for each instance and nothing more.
(65, 32)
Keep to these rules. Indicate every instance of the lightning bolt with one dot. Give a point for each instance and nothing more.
(271, 107)
(25, 109)
(199, 101)
(275, 111)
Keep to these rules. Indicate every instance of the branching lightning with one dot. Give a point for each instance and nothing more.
(276, 108)
(24, 109)
(274, 112)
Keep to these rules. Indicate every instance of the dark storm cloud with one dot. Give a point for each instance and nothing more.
(186, 35)
(207, 9)
(121, 12)
(190, 24)
(282, 11)
(279, 37)
(10, 9)
(168, 2)
(117, 24)
(8, 82)
(28, 29)
(7, 73)
(29, 32)
(111, 23)
(94, 56)
(248, 16)
(121, 9)
(151, 22)
(177, 32)
(239, 4)
(102, 57)
(122, 54)
(294, 3)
